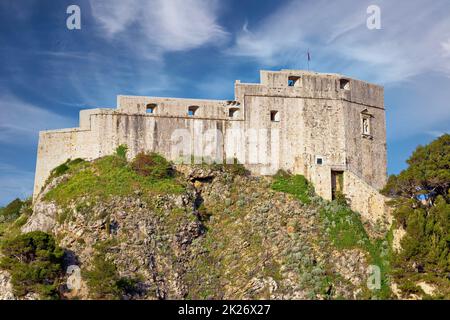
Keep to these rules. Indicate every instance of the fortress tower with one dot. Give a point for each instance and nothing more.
(327, 127)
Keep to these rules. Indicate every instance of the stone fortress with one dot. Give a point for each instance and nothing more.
(327, 127)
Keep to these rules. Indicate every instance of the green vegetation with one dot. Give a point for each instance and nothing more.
(63, 168)
(113, 175)
(121, 151)
(34, 262)
(428, 172)
(152, 165)
(14, 216)
(103, 279)
(342, 227)
(421, 199)
(12, 211)
(296, 185)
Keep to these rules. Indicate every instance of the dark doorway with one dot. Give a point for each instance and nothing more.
(337, 183)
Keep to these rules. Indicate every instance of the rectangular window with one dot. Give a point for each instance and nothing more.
(192, 110)
(274, 116)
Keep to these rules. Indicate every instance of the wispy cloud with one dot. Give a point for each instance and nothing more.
(158, 26)
(413, 39)
(446, 47)
(21, 122)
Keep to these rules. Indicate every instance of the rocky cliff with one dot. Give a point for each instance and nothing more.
(204, 232)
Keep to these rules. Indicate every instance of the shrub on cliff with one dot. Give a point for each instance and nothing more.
(121, 151)
(12, 211)
(102, 278)
(34, 262)
(152, 165)
(104, 282)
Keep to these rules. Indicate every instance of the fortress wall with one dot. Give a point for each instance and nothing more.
(317, 118)
(210, 109)
(366, 156)
(365, 199)
(324, 139)
(55, 147)
(283, 139)
(365, 93)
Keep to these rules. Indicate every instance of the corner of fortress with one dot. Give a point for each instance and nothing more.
(327, 127)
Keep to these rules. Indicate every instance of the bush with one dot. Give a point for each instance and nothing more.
(63, 168)
(121, 151)
(152, 165)
(12, 211)
(102, 279)
(104, 282)
(34, 262)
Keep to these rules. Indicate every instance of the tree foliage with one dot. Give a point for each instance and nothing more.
(11, 211)
(421, 197)
(428, 172)
(34, 262)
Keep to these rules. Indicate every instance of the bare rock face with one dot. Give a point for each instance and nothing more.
(6, 292)
(43, 218)
(44, 213)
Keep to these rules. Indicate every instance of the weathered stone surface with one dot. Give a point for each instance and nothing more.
(43, 218)
(316, 130)
(5, 287)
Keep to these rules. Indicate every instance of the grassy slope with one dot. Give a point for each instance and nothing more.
(106, 177)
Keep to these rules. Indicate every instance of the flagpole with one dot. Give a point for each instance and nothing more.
(308, 57)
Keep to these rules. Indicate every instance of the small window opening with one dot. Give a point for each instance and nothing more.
(293, 81)
(274, 116)
(319, 160)
(233, 112)
(192, 110)
(344, 84)
(151, 108)
(366, 123)
(366, 126)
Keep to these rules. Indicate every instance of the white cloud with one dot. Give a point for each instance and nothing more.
(446, 47)
(412, 40)
(158, 26)
(21, 122)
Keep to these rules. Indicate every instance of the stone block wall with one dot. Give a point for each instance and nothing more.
(303, 122)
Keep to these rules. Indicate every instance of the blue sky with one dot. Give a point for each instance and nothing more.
(197, 48)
